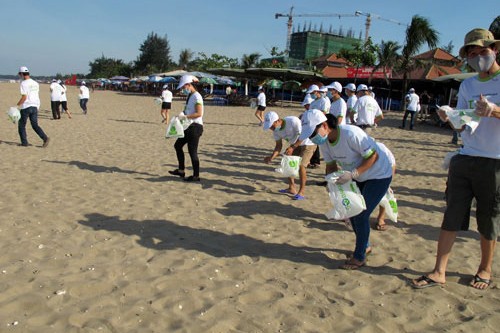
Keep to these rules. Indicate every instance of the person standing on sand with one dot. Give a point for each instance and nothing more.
(289, 129)
(64, 99)
(475, 171)
(55, 99)
(166, 103)
(350, 91)
(261, 105)
(29, 104)
(192, 134)
(84, 97)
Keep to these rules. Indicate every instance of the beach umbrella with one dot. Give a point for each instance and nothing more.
(168, 79)
(274, 84)
(154, 78)
(293, 85)
(208, 80)
(225, 81)
(119, 78)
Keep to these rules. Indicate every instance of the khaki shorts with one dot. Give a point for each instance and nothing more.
(306, 152)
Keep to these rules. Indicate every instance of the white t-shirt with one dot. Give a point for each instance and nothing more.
(353, 146)
(485, 142)
(64, 98)
(30, 88)
(261, 99)
(351, 101)
(413, 102)
(328, 104)
(166, 96)
(339, 109)
(193, 100)
(84, 92)
(319, 104)
(290, 131)
(367, 110)
(55, 92)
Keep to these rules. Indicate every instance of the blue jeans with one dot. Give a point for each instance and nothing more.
(83, 104)
(412, 118)
(373, 191)
(32, 113)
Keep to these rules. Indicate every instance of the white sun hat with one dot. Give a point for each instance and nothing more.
(187, 79)
(311, 119)
(23, 69)
(362, 87)
(307, 100)
(335, 85)
(351, 87)
(269, 119)
(312, 88)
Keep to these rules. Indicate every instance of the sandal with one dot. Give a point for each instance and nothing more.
(353, 264)
(416, 284)
(477, 279)
(177, 172)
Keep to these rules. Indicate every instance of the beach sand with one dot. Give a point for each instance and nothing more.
(96, 236)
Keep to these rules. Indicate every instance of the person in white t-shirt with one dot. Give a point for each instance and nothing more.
(412, 104)
(64, 99)
(350, 91)
(261, 105)
(193, 111)
(338, 107)
(367, 110)
(289, 129)
(84, 97)
(350, 149)
(474, 173)
(319, 102)
(29, 104)
(326, 99)
(55, 99)
(166, 103)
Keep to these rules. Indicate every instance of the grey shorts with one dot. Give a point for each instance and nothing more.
(473, 177)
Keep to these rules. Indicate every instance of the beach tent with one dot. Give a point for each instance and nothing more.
(154, 78)
(119, 78)
(168, 79)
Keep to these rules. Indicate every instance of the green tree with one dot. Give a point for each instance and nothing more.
(495, 29)
(154, 56)
(185, 57)
(448, 48)
(250, 60)
(361, 55)
(388, 58)
(418, 33)
(204, 62)
(108, 67)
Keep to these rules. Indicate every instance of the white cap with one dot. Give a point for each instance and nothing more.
(335, 85)
(323, 89)
(269, 119)
(312, 88)
(23, 69)
(260, 88)
(362, 87)
(165, 87)
(351, 87)
(59, 81)
(370, 88)
(307, 100)
(310, 119)
(83, 83)
(412, 90)
(187, 79)
(54, 80)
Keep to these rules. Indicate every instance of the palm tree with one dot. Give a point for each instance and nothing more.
(250, 60)
(495, 29)
(185, 57)
(418, 33)
(388, 57)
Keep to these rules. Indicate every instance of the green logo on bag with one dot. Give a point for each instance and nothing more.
(173, 131)
(345, 201)
(292, 164)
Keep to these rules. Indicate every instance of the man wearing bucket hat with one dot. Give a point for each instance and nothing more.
(166, 103)
(475, 171)
(350, 91)
(350, 149)
(319, 102)
(367, 110)
(29, 104)
(193, 111)
(289, 129)
(338, 107)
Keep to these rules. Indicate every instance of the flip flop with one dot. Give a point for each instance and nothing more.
(428, 283)
(298, 197)
(351, 266)
(478, 279)
(285, 191)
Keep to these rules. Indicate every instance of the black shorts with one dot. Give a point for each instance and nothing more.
(166, 105)
(64, 105)
(473, 177)
(261, 108)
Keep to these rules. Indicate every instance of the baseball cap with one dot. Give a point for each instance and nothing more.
(370, 88)
(23, 69)
(478, 37)
(83, 83)
(54, 80)
(165, 87)
(310, 119)
(307, 100)
(411, 90)
(351, 87)
(269, 119)
(335, 85)
(187, 79)
(260, 88)
(323, 89)
(362, 87)
(312, 88)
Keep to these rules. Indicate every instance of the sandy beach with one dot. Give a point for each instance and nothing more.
(96, 236)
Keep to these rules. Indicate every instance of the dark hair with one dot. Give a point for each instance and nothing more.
(331, 121)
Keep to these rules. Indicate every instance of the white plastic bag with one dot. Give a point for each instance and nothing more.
(459, 118)
(158, 101)
(447, 159)
(253, 103)
(185, 122)
(290, 166)
(175, 129)
(346, 198)
(14, 114)
(390, 204)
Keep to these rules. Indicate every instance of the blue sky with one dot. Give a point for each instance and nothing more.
(55, 36)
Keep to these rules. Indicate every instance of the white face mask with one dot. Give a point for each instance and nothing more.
(482, 63)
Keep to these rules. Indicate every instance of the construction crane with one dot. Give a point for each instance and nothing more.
(368, 22)
(291, 15)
